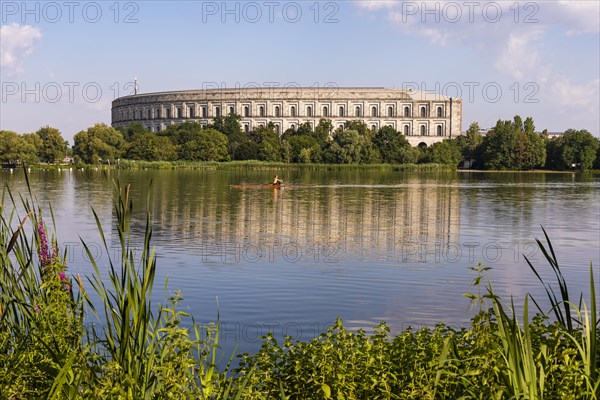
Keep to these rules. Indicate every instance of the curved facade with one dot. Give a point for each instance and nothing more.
(421, 117)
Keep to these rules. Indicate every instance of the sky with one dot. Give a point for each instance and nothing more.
(64, 62)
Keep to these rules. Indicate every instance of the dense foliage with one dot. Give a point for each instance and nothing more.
(137, 351)
(509, 145)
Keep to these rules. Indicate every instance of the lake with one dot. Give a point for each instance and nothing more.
(365, 246)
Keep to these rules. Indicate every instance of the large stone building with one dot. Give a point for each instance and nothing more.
(421, 117)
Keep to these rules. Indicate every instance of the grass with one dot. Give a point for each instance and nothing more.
(138, 350)
(268, 166)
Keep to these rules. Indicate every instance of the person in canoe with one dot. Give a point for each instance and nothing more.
(277, 181)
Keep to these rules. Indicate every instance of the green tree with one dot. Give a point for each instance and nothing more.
(577, 149)
(184, 132)
(531, 147)
(513, 145)
(470, 146)
(345, 148)
(211, 145)
(98, 143)
(132, 129)
(269, 145)
(499, 147)
(323, 130)
(360, 127)
(53, 145)
(301, 148)
(445, 152)
(393, 146)
(14, 148)
(195, 144)
(150, 147)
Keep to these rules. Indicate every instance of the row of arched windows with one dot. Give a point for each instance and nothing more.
(325, 112)
(405, 130)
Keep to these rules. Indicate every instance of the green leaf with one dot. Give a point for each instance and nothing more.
(326, 390)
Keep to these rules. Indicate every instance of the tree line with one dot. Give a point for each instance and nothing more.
(510, 145)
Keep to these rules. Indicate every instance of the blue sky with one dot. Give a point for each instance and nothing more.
(62, 63)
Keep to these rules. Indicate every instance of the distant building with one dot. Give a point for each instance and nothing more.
(421, 117)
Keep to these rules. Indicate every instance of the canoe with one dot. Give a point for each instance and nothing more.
(266, 186)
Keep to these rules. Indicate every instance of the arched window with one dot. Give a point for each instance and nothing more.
(293, 127)
(373, 111)
(357, 112)
(406, 132)
(423, 112)
(277, 129)
(261, 111)
(168, 113)
(309, 111)
(192, 113)
(246, 128)
(439, 131)
(204, 112)
(341, 111)
(293, 111)
(341, 127)
(179, 112)
(325, 111)
(218, 111)
(231, 110)
(157, 115)
(440, 112)
(422, 130)
(246, 111)
(374, 127)
(390, 111)
(277, 111)
(407, 111)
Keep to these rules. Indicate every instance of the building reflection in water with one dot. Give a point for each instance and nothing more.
(393, 220)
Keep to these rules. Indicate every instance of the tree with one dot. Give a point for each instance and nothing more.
(150, 147)
(345, 148)
(513, 145)
(393, 146)
(445, 152)
(211, 145)
(323, 130)
(499, 147)
(269, 145)
(132, 129)
(53, 146)
(98, 143)
(183, 133)
(14, 149)
(577, 149)
(531, 147)
(301, 148)
(470, 146)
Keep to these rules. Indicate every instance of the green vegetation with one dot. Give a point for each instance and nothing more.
(140, 351)
(510, 145)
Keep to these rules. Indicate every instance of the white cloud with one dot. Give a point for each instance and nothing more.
(16, 43)
(578, 17)
(376, 4)
(511, 35)
(584, 97)
(519, 57)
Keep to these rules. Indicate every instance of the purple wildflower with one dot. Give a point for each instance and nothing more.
(45, 257)
(64, 281)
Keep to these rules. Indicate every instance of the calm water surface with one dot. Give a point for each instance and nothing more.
(365, 246)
